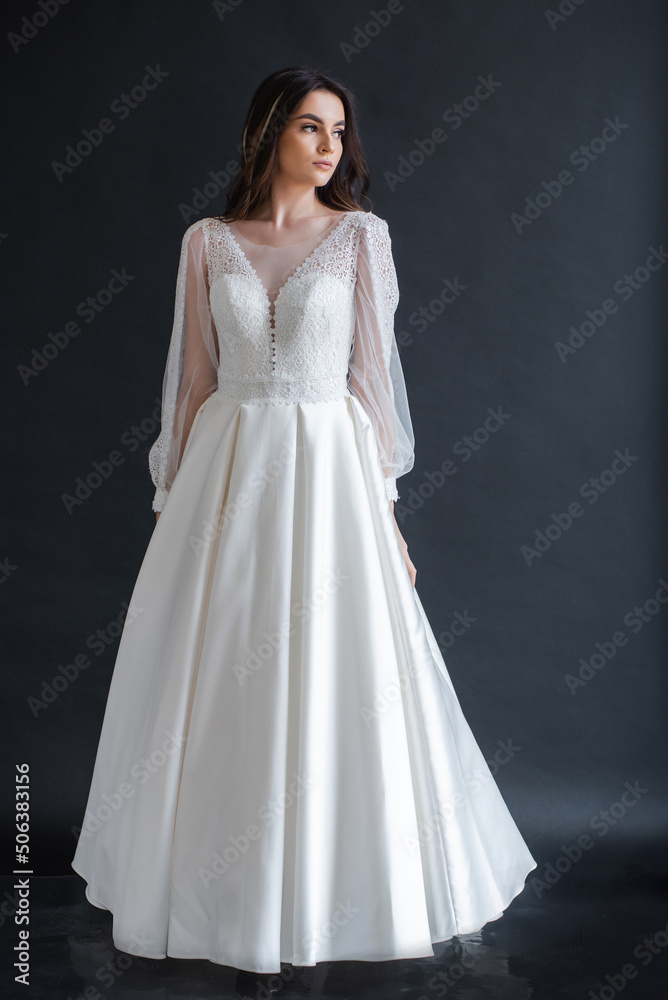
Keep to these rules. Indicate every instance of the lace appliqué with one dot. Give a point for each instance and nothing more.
(301, 352)
(391, 489)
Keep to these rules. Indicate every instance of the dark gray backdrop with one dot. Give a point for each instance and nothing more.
(524, 218)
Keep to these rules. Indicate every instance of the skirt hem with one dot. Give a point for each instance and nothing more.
(411, 953)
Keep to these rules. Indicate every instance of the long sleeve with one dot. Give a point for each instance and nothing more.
(376, 377)
(191, 372)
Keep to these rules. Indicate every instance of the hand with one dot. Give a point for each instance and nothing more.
(157, 516)
(412, 572)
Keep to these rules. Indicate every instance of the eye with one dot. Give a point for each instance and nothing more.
(340, 131)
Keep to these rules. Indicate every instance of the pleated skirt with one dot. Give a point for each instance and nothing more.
(284, 771)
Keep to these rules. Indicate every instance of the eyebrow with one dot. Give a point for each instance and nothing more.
(318, 119)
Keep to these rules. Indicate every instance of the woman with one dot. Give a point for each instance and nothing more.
(284, 772)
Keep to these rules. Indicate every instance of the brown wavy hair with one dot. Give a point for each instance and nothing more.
(272, 104)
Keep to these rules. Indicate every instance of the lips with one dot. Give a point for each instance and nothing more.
(322, 163)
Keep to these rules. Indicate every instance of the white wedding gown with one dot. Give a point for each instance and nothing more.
(284, 772)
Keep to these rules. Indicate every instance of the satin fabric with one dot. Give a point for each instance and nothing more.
(284, 772)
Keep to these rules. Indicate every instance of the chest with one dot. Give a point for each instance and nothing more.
(304, 326)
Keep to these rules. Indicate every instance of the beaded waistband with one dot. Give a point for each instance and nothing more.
(277, 390)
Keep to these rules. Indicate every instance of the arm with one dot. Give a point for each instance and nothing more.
(375, 374)
(192, 364)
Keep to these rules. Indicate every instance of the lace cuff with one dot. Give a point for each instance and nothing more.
(391, 489)
(159, 499)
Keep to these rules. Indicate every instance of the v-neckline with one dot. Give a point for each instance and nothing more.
(295, 272)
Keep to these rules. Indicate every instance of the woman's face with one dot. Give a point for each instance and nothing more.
(312, 135)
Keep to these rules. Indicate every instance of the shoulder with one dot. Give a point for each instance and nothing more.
(374, 234)
(370, 220)
(196, 232)
(373, 229)
(192, 234)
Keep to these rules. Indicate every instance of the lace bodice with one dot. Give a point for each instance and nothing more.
(302, 351)
(274, 264)
(326, 332)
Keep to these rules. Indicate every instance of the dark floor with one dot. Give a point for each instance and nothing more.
(581, 937)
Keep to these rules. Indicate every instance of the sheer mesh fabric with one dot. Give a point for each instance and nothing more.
(191, 373)
(274, 265)
(374, 374)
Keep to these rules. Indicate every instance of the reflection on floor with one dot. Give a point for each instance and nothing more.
(590, 935)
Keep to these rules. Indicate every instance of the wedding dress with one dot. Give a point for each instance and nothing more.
(284, 771)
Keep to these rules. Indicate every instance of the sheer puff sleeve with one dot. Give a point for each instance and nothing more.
(375, 374)
(191, 372)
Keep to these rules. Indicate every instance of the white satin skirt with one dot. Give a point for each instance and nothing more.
(284, 772)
